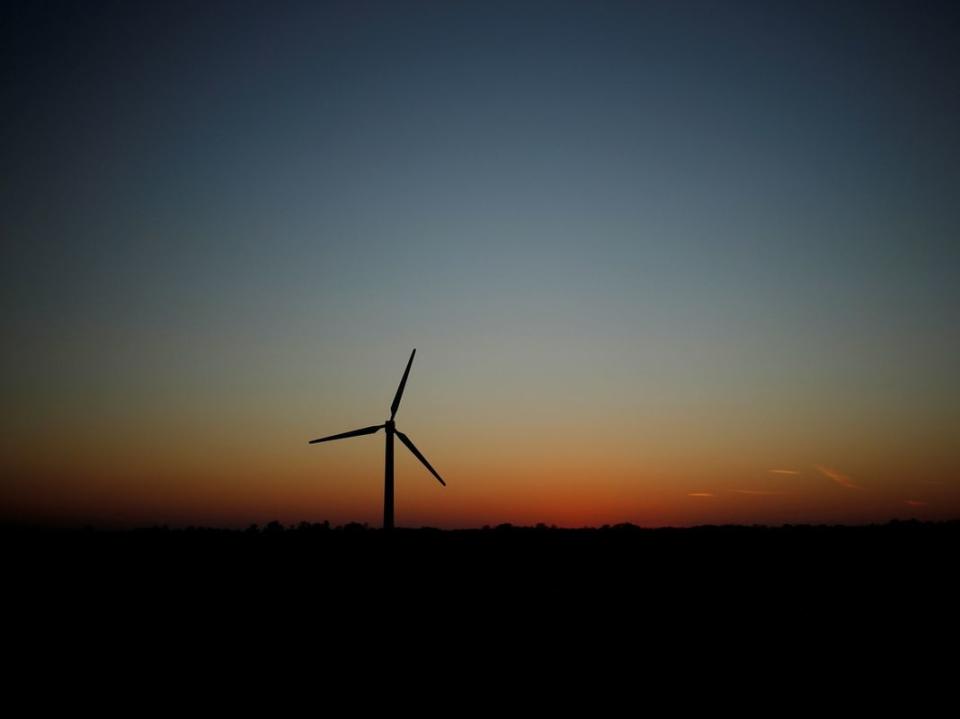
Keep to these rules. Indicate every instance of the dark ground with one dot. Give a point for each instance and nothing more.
(619, 595)
(894, 556)
(801, 616)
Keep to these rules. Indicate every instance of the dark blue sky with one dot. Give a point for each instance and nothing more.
(707, 204)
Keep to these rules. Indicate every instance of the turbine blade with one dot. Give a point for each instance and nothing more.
(416, 453)
(403, 382)
(344, 435)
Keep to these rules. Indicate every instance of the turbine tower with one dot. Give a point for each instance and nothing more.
(391, 428)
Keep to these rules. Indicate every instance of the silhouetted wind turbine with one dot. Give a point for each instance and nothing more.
(391, 428)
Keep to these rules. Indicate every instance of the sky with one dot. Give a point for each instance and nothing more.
(669, 263)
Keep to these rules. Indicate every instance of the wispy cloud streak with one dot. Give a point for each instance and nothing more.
(837, 476)
(783, 471)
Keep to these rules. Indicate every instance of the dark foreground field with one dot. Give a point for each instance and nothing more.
(900, 554)
(783, 586)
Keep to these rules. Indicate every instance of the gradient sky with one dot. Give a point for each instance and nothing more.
(665, 262)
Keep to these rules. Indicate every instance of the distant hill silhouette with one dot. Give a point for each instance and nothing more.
(613, 550)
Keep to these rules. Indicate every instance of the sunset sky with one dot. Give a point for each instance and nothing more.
(668, 263)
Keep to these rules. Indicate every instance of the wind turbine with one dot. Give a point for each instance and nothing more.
(391, 428)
